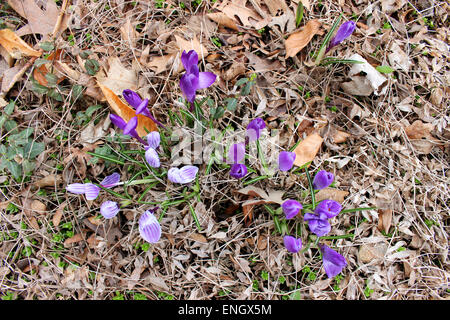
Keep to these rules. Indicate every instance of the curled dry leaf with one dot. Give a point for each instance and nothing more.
(58, 214)
(127, 112)
(51, 180)
(38, 207)
(248, 17)
(15, 46)
(340, 136)
(332, 194)
(76, 238)
(223, 20)
(307, 149)
(384, 219)
(298, 40)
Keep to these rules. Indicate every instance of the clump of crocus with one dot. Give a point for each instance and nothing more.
(286, 160)
(184, 175)
(291, 208)
(193, 80)
(344, 31)
(149, 227)
(322, 179)
(292, 244)
(333, 262)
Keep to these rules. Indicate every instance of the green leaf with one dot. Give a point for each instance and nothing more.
(91, 66)
(9, 109)
(47, 46)
(384, 69)
(3, 119)
(85, 54)
(241, 81)
(217, 112)
(246, 89)
(11, 126)
(39, 88)
(21, 138)
(295, 295)
(76, 91)
(53, 93)
(28, 166)
(90, 111)
(51, 79)
(39, 62)
(231, 103)
(14, 168)
(33, 149)
(299, 14)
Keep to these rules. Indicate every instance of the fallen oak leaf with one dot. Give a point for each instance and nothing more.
(118, 78)
(223, 20)
(307, 149)
(298, 40)
(331, 194)
(126, 112)
(15, 46)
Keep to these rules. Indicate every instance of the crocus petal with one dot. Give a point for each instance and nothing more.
(292, 244)
(77, 188)
(142, 107)
(132, 98)
(236, 154)
(174, 175)
(322, 179)
(205, 79)
(188, 85)
(152, 158)
(333, 262)
(149, 227)
(153, 139)
(318, 226)
(118, 121)
(189, 60)
(131, 126)
(238, 170)
(291, 208)
(254, 129)
(344, 31)
(91, 191)
(109, 209)
(111, 181)
(188, 173)
(328, 209)
(286, 160)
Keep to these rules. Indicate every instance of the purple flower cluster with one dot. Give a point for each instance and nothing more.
(149, 226)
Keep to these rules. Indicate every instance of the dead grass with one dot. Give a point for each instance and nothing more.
(379, 164)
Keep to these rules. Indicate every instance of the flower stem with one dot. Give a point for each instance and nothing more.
(311, 189)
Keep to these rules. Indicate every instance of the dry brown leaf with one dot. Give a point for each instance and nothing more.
(307, 149)
(127, 112)
(236, 69)
(340, 136)
(331, 194)
(49, 181)
(39, 21)
(76, 238)
(118, 78)
(38, 207)
(198, 237)
(58, 214)
(261, 64)
(15, 46)
(248, 17)
(298, 40)
(40, 72)
(384, 219)
(419, 130)
(194, 44)
(223, 20)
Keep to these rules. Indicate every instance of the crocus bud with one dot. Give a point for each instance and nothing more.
(238, 170)
(328, 209)
(111, 180)
(322, 179)
(77, 188)
(132, 98)
(109, 209)
(149, 227)
(152, 158)
(153, 139)
(130, 128)
(184, 175)
(91, 191)
(333, 262)
(292, 244)
(291, 208)
(344, 31)
(254, 129)
(117, 121)
(142, 107)
(286, 160)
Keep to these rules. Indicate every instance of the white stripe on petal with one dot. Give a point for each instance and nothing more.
(149, 227)
(92, 191)
(153, 139)
(188, 173)
(77, 188)
(152, 158)
(111, 181)
(109, 209)
(174, 175)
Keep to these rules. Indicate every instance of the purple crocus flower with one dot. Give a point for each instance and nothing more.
(292, 244)
(286, 160)
(151, 156)
(193, 80)
(149, 227)
(109, 209)
(319, 227)
(153, 139)
(344, 31)
(291, 208)
(90, 190)
(254, 129)
(236, 154)
(322, 179)
(184, 175)
(328, 209)
(333, 262)
(238, 170)
(128, 128)
(141, 106)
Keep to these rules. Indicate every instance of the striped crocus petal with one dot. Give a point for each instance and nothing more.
(188, 173)
(149, 227)
(111, 181)
(152, 158)
(130, 128)
(91, 191)
(109, 209)
(77, 188)
(153, 139)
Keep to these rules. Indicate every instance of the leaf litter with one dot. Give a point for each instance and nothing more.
(386, 138)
